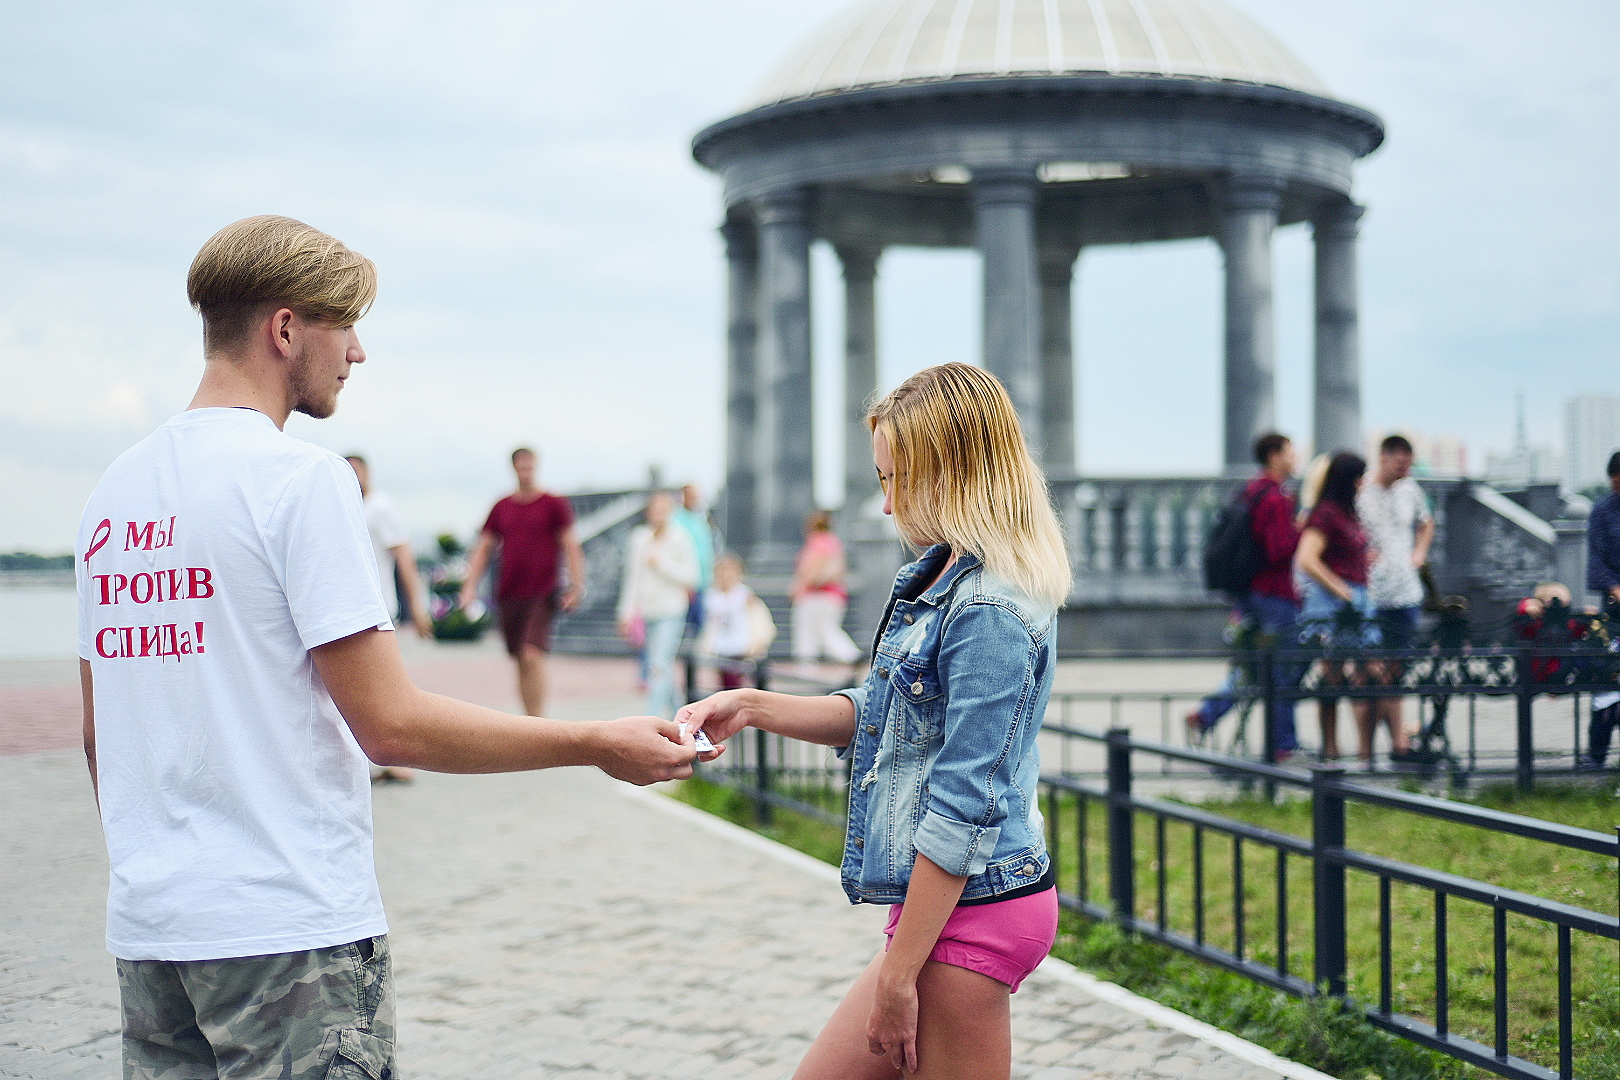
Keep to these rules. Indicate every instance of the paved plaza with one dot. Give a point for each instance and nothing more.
(552, 925)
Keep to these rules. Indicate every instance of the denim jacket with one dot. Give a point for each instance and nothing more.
(945, 761)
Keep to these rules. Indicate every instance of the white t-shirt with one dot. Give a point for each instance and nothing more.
(236, 804)
(725, 620)
(387, 529)
(660, 573)
(1391, 516)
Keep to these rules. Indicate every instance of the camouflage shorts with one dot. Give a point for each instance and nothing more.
(325, 1014)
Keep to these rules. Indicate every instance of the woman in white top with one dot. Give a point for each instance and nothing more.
(659, 576)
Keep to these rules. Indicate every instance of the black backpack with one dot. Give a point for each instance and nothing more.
(1232, 555)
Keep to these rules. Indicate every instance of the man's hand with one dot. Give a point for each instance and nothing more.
(571, 597)
(644, 750)
(468, 593)
(424, 625)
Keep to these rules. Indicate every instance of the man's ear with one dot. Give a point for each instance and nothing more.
(281, 329)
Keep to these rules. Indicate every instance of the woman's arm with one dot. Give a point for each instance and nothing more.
(1308, 558)
(629, 602)
(930, 899)
(828, 720)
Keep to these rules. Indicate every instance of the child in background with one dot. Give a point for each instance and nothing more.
(736, 624)
(1546, 618)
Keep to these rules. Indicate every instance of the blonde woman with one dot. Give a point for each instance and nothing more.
(943, 824)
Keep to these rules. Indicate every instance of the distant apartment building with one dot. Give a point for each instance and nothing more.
(1524, 465)
(1591, 435)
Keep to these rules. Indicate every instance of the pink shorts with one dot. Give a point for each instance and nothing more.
(1005, 940)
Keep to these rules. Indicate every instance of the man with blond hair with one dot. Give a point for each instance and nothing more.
(238, 672)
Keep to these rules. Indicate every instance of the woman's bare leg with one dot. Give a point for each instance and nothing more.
(964, 1030)
(1327, 712)
(964, 1025)
(840, 1052)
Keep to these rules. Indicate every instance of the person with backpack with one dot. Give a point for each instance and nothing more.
(1250, 557)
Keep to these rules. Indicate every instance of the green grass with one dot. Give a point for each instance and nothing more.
(1562, 874)
(1317, 1032)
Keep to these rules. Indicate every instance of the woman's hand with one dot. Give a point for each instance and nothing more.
(720, 716)
(891, 1030)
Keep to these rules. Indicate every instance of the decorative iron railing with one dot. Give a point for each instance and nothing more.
(1092, 821)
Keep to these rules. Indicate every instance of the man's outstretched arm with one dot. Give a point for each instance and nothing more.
(477, 562)
(397, 723)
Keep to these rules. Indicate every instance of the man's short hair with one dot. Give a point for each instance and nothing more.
(520, 451)
(1614, 463)
(1268, 444)
(1395, 444)
(356, 458)
(275, 260)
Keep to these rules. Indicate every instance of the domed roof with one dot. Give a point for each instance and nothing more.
(886, 42)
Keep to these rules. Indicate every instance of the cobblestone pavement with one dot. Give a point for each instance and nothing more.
(554, 925)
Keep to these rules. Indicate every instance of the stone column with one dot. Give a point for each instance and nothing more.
(1057, 359)
(740, 514)
(1248, 219)
(1338, 336)
(1004, 221)
(785, 489)
(860, 370)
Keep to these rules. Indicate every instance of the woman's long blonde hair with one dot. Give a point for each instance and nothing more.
(963, 477)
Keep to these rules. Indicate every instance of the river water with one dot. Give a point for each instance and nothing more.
(38, 622)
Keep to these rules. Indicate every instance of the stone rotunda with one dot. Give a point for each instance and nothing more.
(1028, 129)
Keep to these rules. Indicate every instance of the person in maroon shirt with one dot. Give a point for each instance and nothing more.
(1334, 557)
(533, 530)
(1269, 603)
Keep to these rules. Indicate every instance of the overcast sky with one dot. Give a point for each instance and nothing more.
(550, 269)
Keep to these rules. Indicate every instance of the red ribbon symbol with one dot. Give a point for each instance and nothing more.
(99, 538)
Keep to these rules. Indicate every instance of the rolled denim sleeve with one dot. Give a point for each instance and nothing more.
(857, 697)
(988, 662)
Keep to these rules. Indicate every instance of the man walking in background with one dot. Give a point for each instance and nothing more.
(238, 671)
(396, 562)
(1269, 602)
(1603, 578)
(532, 531)
(1400, 528)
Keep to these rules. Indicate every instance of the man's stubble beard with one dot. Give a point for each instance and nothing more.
(305, 399)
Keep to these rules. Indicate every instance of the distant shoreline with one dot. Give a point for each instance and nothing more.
(55, 578)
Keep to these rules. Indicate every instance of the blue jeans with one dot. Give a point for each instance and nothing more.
(1321, 612)
(658, 653)
(1275, 618)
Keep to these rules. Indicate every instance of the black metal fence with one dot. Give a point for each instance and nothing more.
(776, 772)
(1459, 693)
(1069, 803)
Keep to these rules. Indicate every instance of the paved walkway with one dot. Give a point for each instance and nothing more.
(550, 925)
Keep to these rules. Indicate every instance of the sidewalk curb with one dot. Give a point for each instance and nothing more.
(1165, 1016)
(1151, 1011)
